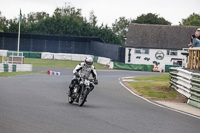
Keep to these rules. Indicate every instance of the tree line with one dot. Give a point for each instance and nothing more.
(69, 21)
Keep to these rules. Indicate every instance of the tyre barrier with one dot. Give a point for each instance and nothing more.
(15, 67)
(49, 72)
(187, 83)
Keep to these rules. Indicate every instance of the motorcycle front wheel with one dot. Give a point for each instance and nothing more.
(83, 97)
(81, 101)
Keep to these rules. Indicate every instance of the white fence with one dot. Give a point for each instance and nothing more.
(73, 57)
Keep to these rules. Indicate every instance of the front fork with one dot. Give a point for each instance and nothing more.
(85, 90)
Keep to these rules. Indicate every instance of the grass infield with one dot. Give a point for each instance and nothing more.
(154, 87)
(47, 64)
(57, 63)
(7, 74)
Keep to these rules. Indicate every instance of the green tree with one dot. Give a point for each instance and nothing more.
(108, 35)
(36, 17)
(3, 23)
(68, 11)
(151, 18)
(13, 25)
(120, 28)
(92, 19)
(192, 20)
(64, 21)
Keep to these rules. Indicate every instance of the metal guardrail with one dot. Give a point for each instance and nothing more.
(74, 57)
(186, 83)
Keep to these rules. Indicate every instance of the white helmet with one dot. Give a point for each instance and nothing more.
(89, 61)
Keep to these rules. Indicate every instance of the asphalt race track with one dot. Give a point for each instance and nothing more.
(38, 104)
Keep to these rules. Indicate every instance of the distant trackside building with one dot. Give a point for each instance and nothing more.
(157, 44)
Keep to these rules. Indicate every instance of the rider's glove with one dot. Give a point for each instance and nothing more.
(96, 82)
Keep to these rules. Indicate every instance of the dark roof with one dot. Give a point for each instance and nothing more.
(159, 36)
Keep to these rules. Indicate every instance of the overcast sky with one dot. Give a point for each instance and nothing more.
(107, 10)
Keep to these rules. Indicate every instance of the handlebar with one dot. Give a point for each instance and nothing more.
(95, 81)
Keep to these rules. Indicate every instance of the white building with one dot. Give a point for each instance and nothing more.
(157, 44)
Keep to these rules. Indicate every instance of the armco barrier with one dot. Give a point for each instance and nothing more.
(195, 90)
(103, 60)
(61, 56)
(75, 57)
(186, 83)
(79, 57)
(64, 56)
(47, 55)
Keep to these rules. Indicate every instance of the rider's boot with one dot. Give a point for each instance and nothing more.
(71, 86)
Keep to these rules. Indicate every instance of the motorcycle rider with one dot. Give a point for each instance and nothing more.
(83, 69)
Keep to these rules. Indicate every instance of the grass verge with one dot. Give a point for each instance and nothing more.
(155, 88)
(57, 63)
(7, 74)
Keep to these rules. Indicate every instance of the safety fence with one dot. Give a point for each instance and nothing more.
(134, 67)
(167, 67)
(26, 54)
(62, 44)
(74, 57)
(186, 83)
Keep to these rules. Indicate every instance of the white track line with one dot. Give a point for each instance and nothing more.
(157, 103)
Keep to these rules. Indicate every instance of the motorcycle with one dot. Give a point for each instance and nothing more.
(81, 90)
